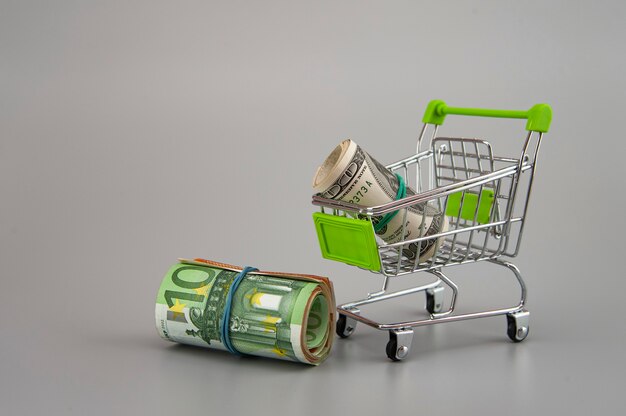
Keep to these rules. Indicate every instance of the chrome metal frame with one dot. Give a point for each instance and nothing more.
(451, 165)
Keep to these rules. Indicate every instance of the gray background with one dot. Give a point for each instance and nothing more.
(134, 133)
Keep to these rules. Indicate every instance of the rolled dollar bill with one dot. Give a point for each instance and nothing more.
(269, 314)
(350, 174)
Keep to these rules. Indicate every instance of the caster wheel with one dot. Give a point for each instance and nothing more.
(517, 325)
(345, 326)
(434, 300)
(399, 344)
(392, 348)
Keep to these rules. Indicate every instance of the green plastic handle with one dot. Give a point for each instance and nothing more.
(539, 116)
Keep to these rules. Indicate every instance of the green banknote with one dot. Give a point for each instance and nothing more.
(277, 315)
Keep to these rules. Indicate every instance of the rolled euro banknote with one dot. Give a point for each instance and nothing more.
(350, 174)
(248, 312)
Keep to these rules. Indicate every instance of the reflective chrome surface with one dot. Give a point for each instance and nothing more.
(446, 166)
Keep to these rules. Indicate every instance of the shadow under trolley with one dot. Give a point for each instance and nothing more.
(484, 199)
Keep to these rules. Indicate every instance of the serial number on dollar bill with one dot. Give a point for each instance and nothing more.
(360, 193)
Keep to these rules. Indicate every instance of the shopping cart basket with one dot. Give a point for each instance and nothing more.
(485, 200)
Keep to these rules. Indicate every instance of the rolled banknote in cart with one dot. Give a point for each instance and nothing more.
(350, 174)
(246, 311)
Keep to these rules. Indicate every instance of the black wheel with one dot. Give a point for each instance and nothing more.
(434, 300)
(515, 334)
(430, 303)
(392, 348)
(342, 329)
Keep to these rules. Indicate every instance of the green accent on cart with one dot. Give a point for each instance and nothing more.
(348, 240)
(470, 202)
(539, 116)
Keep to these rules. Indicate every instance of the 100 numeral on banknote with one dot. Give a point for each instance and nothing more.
(278, 315)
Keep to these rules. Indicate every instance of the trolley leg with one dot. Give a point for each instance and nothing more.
(399, 343)
(455, 291)
(518, 276)
(381, 291)
(346, 324)
(517, 325)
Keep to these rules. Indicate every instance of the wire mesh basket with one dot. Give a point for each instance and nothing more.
(483, 200)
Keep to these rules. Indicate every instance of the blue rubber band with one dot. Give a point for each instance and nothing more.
(224, 326)
(389, 216)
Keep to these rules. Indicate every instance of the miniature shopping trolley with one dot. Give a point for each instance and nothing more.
(484, 198)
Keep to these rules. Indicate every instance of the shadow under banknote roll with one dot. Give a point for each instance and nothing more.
(246, 311)
(351, 175)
